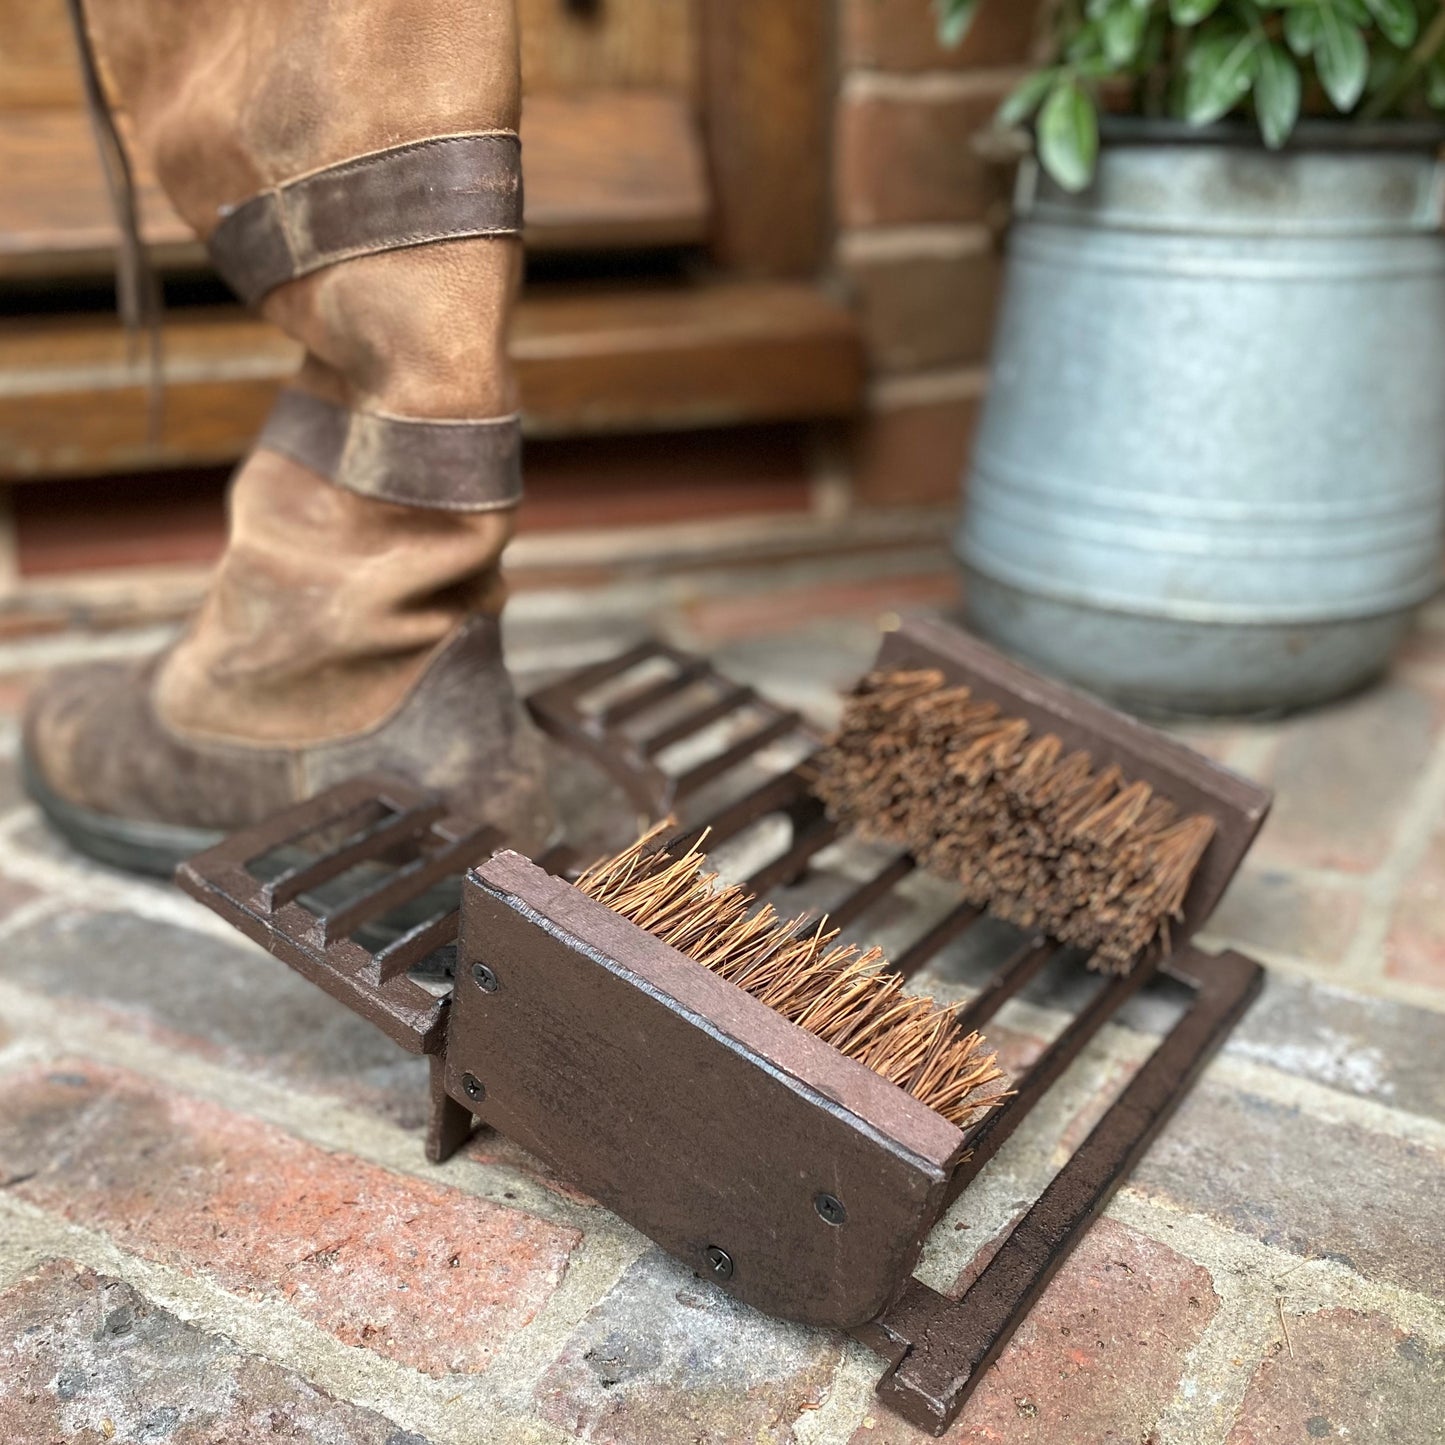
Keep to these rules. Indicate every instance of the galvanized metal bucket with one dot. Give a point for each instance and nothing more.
(1210, 475)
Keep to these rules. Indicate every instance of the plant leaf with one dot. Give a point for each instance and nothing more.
(1342, 59)
(1025, 98)
(1087, 44)
(1277, 89)
(1221, 70)
(1435, 84)
(955, 19)
(1069, 134)
(1397, 20)
(1302, 31)
(1355, 10)
(1191, 12)
(1122, 32)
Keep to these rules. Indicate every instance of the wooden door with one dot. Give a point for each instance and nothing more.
(613, 147)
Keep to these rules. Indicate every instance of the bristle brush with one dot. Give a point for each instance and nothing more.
(844, 995)
(1036, 834)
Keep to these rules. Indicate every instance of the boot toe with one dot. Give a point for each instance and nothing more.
(68, 720)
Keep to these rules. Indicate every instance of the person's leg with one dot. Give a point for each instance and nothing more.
(352, 623)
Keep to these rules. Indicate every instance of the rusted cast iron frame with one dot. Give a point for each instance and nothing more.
(372, 984)
(631, 759)
(937, 1348)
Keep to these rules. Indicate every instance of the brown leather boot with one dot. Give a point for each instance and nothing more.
(354, 171)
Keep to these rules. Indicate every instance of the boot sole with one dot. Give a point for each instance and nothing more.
(132, 844)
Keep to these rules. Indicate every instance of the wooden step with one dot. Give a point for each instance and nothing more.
(591, 360)
(601, 169)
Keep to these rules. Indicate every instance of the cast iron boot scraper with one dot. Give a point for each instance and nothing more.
(599, 1048)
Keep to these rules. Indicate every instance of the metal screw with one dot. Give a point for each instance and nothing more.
(486, 979)
(719, 1262)
(830, 1209)
(474, 1088)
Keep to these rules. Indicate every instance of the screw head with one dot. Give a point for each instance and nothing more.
(830, 1209)
(719, 1262)
(487, 981)
(473, 1087)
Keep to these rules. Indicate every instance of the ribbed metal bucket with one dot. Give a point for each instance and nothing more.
(1210, 475)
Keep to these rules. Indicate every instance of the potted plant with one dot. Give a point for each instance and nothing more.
(1210, 475)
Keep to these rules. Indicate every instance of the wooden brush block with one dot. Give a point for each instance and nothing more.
(699, 1115)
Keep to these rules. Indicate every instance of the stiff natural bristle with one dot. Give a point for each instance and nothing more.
(848, 997)
(1034, 834)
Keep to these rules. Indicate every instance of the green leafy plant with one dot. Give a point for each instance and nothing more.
(1201, 60)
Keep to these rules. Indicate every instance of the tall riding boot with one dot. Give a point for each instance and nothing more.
(354, 171)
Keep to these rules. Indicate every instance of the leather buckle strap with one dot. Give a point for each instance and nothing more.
(442, 189)
(454, 466)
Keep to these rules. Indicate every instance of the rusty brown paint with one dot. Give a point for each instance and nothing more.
(570, 968)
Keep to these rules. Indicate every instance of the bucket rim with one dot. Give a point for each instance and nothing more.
(1314, 134)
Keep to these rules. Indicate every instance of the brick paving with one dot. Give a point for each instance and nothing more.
(217, 1224)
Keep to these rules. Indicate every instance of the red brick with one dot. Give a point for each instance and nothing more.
(1112, 1077)
(1097, 1359)
(14, 894)
(1304, 1184)
(1421, 656)
(667, 1358)
(1371, 1047)
(1016, 1050)
(915, 455)
(901, 161)
(1273, 909)
(1222, 741)
(1415, 949)
(15, 690)
(417, 1272)
(1345, 774)
(1344, 1375)
(85, 1359)
(496, 1151)
(922, 311)
(224, 1000)
(903, 35)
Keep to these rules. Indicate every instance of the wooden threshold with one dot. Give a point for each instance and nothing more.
(606, 168)
(590, 360)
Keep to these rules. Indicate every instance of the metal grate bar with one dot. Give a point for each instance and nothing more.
(862, 899)
(585, 679)
(809, 841)
(730, 757)
(1043, 1074)
(653, 694)
(1015, 973)
(404, 885)
(695, 722)
(938, 1348)
(416, 944)
(785, 793)
(952, 925)
(365, 843)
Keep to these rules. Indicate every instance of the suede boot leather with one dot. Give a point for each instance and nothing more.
(342, 633)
